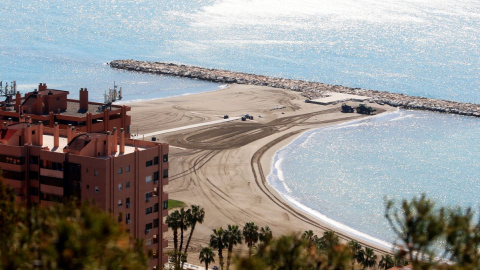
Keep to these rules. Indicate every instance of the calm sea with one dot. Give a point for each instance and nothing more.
(418, 47)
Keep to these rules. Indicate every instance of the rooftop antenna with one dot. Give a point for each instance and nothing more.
(8, 91)
(112, 96)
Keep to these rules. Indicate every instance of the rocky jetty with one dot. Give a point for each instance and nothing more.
(308, 89)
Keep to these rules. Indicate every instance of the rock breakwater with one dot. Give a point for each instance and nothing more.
(307, 88)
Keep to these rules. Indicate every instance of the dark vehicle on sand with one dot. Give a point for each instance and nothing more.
(363, 109)
(346, 108)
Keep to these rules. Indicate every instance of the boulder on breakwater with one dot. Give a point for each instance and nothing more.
(307, 88)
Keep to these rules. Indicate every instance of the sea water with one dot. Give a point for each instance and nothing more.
(417, 47)
(345, 173)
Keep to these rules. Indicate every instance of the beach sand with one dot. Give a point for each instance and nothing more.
(223, 167)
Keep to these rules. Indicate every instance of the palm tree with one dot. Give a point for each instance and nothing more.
(310, 236)
(192, 216)
(217, 242)
(369, 259)
(195, 216)
(206, 256)
(250, 233)
(355, 248)
(233, 237)
(386, 262)
(173, 222)
(183, 225)
(265, 235)
(327, 245)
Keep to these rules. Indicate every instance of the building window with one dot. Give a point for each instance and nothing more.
(119, 186)
(155, 207)
(148, 163)
(156, 176)
(148, 179)
(165, 173)
(33, 159)
(148, 227)
(155, 160)
(120, 170)
(119, 202)
(148, 242)
(165, 158)
(155, 223)
(148, 210)
(88, 186)
(127, 168)
(127, 218)
(127, 202)
(127, 184)
(34, 191)
(148, 196)
(95, 172)
(12, 160)
(33, 175)
(165, 205)
(96, 189)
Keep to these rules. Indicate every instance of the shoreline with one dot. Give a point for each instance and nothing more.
(307, 88)
(349, 232)
(223, 167)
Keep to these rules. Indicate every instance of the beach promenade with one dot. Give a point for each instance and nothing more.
(223, 167)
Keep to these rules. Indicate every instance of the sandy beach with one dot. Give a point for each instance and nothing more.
(223, 167)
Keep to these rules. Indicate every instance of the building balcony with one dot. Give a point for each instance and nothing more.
(51, 190)
(13, 183)
(12, 167)
(51, 173)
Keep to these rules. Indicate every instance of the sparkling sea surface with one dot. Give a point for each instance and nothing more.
(417, 47)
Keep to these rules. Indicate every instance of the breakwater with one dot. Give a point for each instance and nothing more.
(307, 88)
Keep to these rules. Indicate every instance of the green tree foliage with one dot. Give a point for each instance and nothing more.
(206, 256)
(386, 262)
(194, 215)
(368, 259)
(418, 226)
(356, 251)
(250, 234)
(179, 221)
(298, 252)
(64, 236)
(463, 238)
(424, 230)
(217, 242)
(173, 222)
(265, 235)
(232, 237)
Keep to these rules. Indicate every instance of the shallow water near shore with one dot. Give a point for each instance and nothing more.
(343, 174)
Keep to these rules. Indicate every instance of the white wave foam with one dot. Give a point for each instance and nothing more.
(340, 227)
(280, 176)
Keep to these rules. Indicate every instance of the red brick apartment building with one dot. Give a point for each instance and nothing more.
(52, 148)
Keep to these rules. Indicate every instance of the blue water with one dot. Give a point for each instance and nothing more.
(417, 47)
(354, 167)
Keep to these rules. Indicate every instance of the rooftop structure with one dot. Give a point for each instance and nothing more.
(51, 105)
(46, 164)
